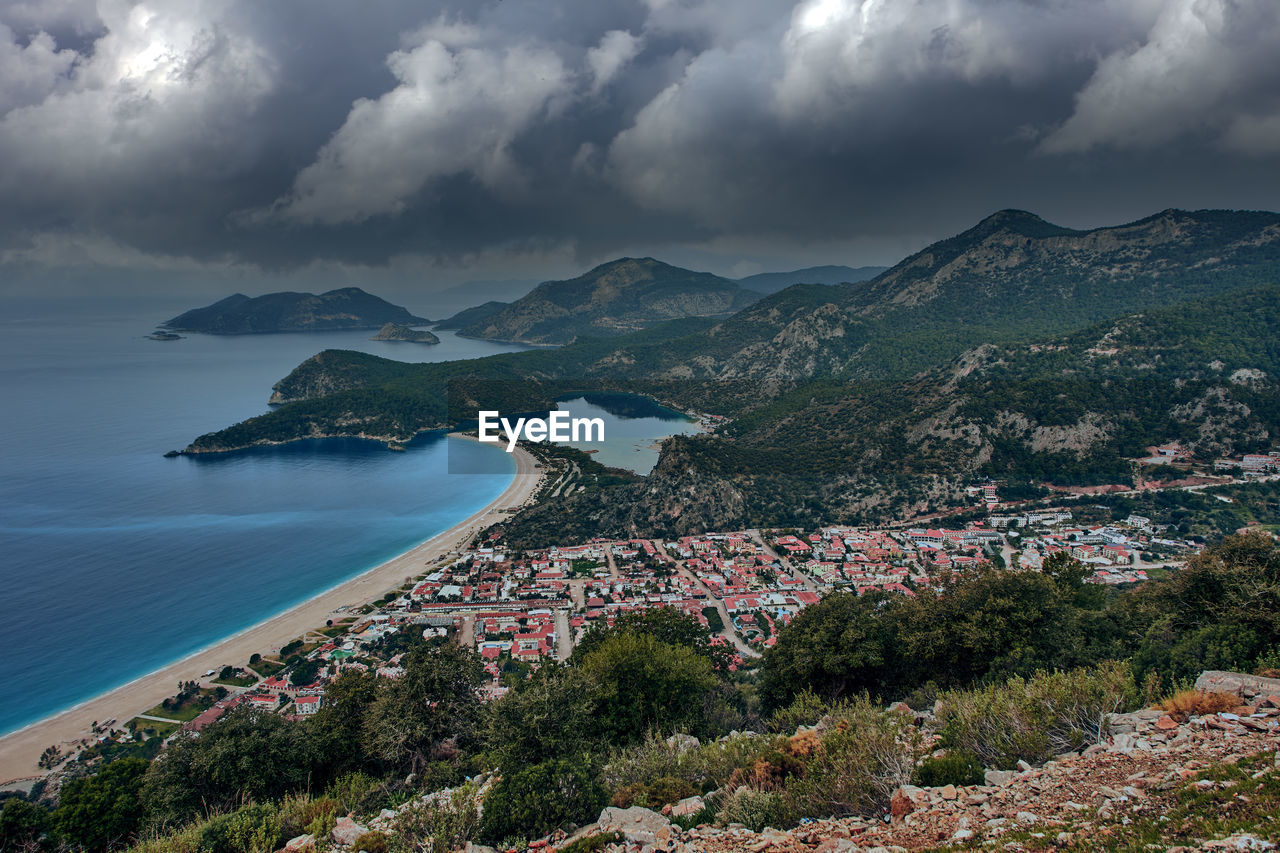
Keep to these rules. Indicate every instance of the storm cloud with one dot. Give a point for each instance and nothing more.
(530, 136)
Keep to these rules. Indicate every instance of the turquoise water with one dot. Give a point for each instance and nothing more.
(630, 440)
(114, 560)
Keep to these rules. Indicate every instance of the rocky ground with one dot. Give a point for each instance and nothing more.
(1169, 782)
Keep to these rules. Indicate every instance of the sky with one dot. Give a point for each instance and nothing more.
(185, 147)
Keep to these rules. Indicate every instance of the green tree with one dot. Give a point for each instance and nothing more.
(428, 713)
(550, 715)
(247, 755)
(842, 645)
(23, 826)
(536, 800)
(640, 684)
(304, 673)
(339, 724)
(101, 811)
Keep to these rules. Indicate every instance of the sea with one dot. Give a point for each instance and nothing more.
(115, 561)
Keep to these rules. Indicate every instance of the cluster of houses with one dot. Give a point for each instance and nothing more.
(520, 609)
(1252, 465)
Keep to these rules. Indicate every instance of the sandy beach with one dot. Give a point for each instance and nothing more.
(20, 750)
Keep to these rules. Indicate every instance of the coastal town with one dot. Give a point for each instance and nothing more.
(520, 609)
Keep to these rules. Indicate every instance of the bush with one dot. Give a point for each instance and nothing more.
(534, 801)
(300, 814)
(252, 829)
(592, 843)
(805, 710)
(184, 841)
(862, 760)
(1033, 719)
(956, 767)
(1188, 703)
(654, 795)
(358, 792)
(370, 842)
(705, 767)
(756, 809)
(438, 824)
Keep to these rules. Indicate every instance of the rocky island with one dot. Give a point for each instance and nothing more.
(401, 332)
(345, 308)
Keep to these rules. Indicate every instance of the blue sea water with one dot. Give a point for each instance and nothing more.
(115, 561)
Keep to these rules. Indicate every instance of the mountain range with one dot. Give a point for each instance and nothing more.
(772, 282)
(1017, 349)
(345, 308)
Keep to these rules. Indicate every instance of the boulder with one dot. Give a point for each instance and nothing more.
(1238, 683)
(301, 844)
(346, 831)
(688, 806)
(682, 742)
(998, 778)
(906, 800)
(636, 824)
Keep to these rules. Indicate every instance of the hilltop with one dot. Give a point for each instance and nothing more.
(287, 311)
(772, 282)
(614, 298)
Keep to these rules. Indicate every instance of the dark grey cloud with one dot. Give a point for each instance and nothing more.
(524, 136)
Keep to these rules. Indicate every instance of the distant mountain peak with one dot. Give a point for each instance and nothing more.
(616, 297)
(1014, 221)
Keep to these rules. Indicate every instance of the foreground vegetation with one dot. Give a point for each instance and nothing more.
(1022, 666)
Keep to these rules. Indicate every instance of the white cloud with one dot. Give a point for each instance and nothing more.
(455, 110)
(616, 49)
(164, 94)
(836, 51)
(28, 73)
(1197, 70)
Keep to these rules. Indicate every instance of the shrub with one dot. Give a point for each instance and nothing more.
(805, 710)
(300, 814)
(183, 841)
(1033, 719)
(1188, 703)
(756, 809)
(538, 799)
(867, 754)
(357, 792)
(438, 824)
(956, 767)
(592, 843)
(252, 829)
(370, 842)
(654, 795)
(705, 767)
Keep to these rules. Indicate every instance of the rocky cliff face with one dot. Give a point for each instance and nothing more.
(618, 297)
(324, 373)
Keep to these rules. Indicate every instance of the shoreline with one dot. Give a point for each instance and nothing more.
(20, 750)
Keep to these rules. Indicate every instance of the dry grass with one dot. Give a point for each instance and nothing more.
(1192, 703)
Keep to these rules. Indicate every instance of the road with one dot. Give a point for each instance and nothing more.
(564, 635)
(809, 583)
(728, 633)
